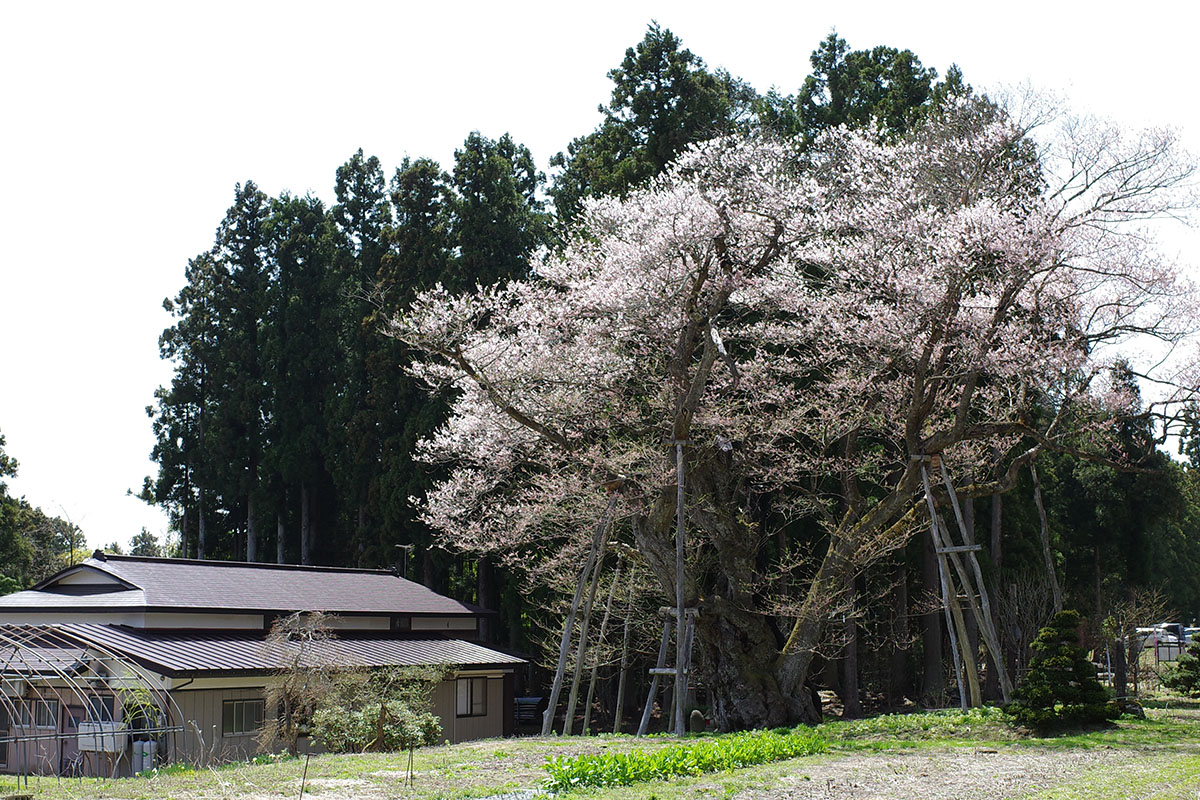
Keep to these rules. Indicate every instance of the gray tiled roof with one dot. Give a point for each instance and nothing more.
(189, 653)
(55, 598)
(180, 584)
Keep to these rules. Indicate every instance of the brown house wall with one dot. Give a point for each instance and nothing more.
(202, 712)
(203, 743)
(461, 729)
(46, 750)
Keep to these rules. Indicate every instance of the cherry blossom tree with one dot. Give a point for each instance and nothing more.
(812, 325)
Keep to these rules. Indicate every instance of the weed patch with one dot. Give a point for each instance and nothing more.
(711, 754)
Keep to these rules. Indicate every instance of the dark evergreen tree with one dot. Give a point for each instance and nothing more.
(181, 412)
(363, 218)
(301, 356)
(239, 439)
(497, 218)
(146, 543)
(883, 87)
(1060, 687)
(209, 422)
(419, 256)
(664, 98)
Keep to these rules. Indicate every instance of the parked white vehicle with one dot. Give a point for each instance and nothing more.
(1166, 638)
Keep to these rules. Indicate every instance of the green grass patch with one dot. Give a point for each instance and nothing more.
(931, 728)
(1162, 778)
(698, 757)
(990, 727)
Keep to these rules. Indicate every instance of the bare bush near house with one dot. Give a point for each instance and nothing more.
(811, 325)
(305, 678)
(1024, 605)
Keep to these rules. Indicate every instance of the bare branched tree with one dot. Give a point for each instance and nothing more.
(303, 681)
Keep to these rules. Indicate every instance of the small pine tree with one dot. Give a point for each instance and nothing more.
(1185, 677)
(1061, 687)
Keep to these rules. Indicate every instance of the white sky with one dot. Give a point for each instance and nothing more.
(124, 127)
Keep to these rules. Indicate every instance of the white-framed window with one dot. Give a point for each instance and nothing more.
(471, 696)
(39, 714)
(241, 717)
(101, 708)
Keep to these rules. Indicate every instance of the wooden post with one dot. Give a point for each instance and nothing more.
(564, 645)
(970, 668)
(573, 697)
(680, 678)
(591, 692)
(658, 667)
(620, 710)
(1045, 532)
(958, 671)
(983, 613)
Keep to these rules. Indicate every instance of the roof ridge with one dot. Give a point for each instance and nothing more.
(109, 557)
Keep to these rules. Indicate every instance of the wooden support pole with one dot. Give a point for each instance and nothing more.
(970, 667)
(958, 670)
(597, 652)
(620, 710)
(680, 679)
(659, 664)
(581, 651)
(564, 646)
(983, 614)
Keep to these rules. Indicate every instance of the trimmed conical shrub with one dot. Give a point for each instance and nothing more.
(1185, 675)
(1061, 687)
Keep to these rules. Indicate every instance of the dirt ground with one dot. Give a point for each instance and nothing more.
(986, 774)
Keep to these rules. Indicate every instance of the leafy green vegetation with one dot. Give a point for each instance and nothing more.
(716, 754)
(380, 709)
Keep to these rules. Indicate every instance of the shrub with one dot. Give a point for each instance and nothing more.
(715, 754)
(353, 731)
(1061, 687)
(1185, 675)
(386, 708)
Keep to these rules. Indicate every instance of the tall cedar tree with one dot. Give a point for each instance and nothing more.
(883, 88)
(238, 436)
(301, 354)
(418, 256)
(498, 220)
(664, 98)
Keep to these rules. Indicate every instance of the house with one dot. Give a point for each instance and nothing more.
(192, 637)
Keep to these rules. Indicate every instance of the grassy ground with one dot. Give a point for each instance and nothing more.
(933, 755)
